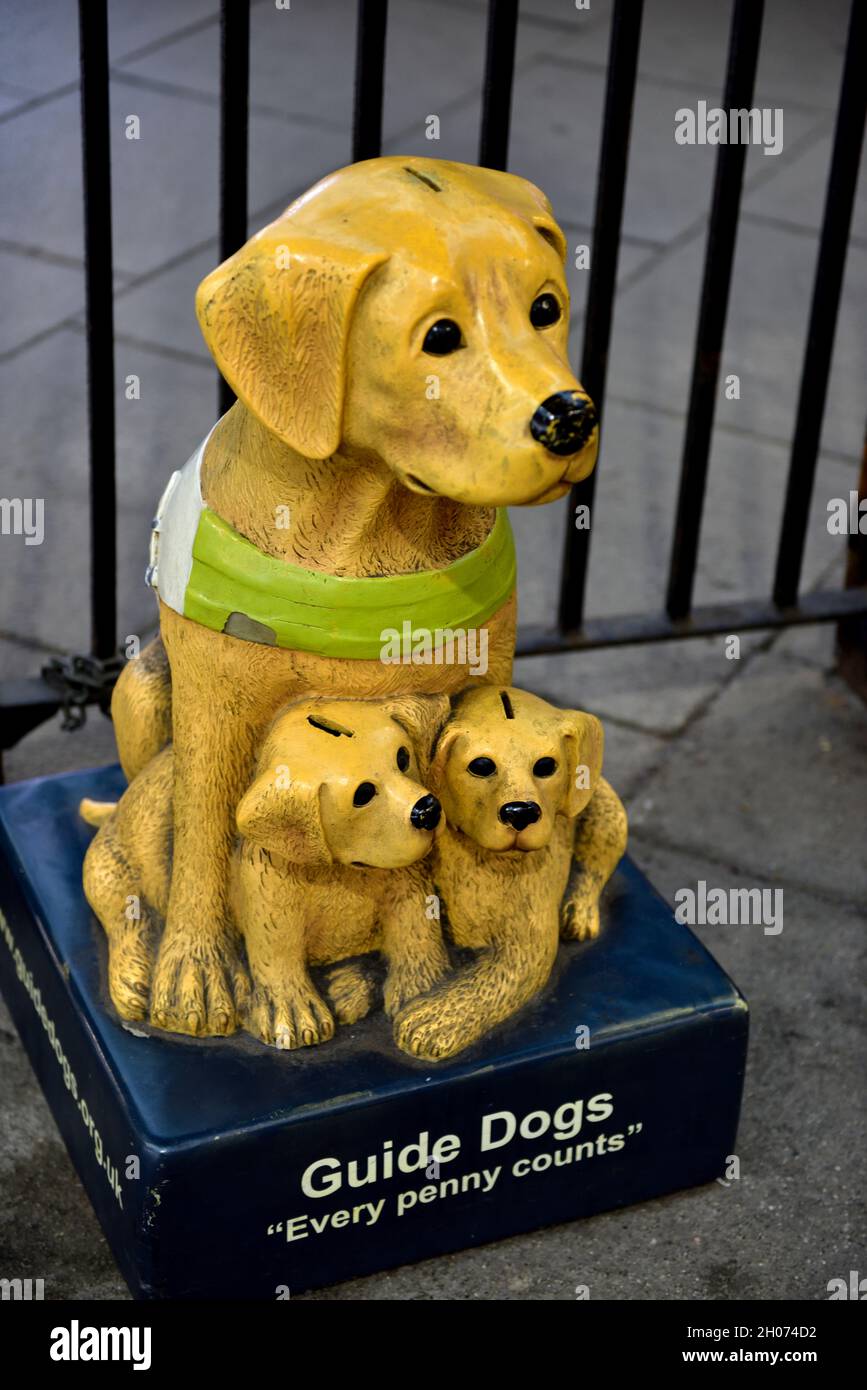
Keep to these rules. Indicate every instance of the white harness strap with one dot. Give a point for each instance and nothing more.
(174, 531)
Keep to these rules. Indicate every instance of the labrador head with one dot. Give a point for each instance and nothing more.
(507, 764)
(339, 781)
(413, 313)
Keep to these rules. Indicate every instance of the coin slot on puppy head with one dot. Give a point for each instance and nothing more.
(423, 178)
(364, 793)
(328, 728)
(402, 759)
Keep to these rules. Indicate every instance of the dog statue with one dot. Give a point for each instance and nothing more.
(326, 866)
(522, 859)
(397, 341)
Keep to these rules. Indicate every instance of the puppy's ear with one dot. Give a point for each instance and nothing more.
(440, 751)
(583, 740)
(276, 318)
(422, 716)
(284, 816)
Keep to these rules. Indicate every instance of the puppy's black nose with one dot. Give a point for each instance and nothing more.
(564, 423)
(520, 814)
(425, 814)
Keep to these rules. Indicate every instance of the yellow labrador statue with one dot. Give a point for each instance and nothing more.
(397, 341)
(326, 865)
(533, 834)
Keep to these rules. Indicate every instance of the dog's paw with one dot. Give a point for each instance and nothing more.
(289, 1018)
(131, 956)
(579, 918)
(351, 991)
(199, 988)
(426, 1029)
(403, 986)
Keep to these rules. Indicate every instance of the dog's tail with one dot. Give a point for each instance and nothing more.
(96, 812)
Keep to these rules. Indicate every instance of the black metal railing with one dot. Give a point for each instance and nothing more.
(610, 189)
(725, 209)
(234, 141)
(75, 682)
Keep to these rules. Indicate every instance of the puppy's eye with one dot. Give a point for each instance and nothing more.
(482, 767)
(545, 767)
(402, 759)
(442, 337)
(544, 311)
(364, 792)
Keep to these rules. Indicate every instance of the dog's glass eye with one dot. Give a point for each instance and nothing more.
(402, 759)
(545, 767)
(482, 767)
(544, 311)
(442, 337)
(364, 792)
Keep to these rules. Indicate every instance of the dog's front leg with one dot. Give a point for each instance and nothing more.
(412, 940)
(285, 1009)
(464, 1008)
(600, 840)
(199, 980)
(111, 885)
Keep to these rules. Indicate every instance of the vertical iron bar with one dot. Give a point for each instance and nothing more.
(234, 121)
(608, 216)
(497, 91)
(839, 200)
(369, 79)
(96, 151)
(852, 631)
(719, 257)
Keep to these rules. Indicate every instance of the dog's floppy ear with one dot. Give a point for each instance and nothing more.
(285, 817)
(276, 319)
(521, 196)
(550, 231)
(583, 740)
(440, 752)
(422, 716)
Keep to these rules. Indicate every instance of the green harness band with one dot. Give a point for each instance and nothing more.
(234, 588)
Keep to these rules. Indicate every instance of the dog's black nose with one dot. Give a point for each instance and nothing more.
(425, 814)
(564, 423)
(520, 814)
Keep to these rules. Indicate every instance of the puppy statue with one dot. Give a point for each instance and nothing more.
(397, 342)
(522, 858)
(326, 866)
